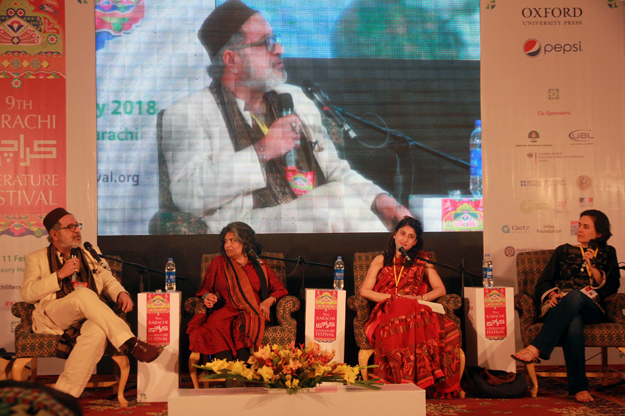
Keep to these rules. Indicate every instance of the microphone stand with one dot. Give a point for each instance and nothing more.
(142, 270)
(400, 144)
(405, 140)
(299, 260)
(460, 269)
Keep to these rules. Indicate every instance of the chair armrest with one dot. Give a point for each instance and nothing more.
(450, 302)
(361, 306)
(285, 307)
(525, 306)
(24, 311)
(194, 305)
(614, 305)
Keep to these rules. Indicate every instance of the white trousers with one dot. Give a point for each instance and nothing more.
(102, 325)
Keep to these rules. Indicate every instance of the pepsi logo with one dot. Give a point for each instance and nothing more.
(532, 48)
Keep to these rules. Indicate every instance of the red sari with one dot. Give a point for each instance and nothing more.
(221, 331)
(412, 344)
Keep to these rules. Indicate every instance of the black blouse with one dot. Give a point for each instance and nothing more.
(567, 271)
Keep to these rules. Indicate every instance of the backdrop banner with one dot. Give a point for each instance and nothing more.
(553, 76)
(47, 131)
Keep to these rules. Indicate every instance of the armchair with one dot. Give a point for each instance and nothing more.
(29, 346)
(361, 306)
(611, 334)
(283, 333)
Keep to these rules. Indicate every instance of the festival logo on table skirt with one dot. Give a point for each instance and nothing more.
(158, 308)
(462, 214)
(326, 311)
(33, 129)
(495, 314)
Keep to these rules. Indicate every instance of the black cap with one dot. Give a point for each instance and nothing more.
(222, 23)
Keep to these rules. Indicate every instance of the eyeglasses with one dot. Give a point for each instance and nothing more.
(72, 227)
(270, 43)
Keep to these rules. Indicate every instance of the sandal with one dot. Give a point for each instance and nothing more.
(534, 359)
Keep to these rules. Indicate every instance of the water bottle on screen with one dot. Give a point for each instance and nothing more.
(170, 276)
(487, 271)
(339, 273)
(475, 146)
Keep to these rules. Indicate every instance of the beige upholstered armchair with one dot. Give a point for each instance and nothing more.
(30, 346)
(283, 334)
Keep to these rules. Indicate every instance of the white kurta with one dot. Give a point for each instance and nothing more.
(212, 181)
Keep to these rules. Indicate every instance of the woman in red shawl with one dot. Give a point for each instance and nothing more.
(238, 293)
(412, 344)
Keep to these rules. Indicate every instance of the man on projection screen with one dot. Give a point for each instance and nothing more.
(68, 288)
(228, 147)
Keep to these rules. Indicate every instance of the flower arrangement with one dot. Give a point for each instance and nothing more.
(288, 367)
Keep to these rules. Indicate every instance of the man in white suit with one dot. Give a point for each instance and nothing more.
(69, 288)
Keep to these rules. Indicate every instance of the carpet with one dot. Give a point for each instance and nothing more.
(552, 400)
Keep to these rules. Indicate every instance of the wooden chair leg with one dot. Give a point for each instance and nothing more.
(194, 358)
(530, 370)
(124, 370)
(363, 361)
(604, 366)
(18, 373)
(463, 360)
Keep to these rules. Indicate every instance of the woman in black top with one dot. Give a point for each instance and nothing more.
(571, 291)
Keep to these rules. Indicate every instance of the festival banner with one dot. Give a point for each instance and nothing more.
(158, 318)
(495, 318)
(326, 312)
(32, 124)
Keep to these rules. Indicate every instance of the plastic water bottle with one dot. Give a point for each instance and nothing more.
(487, 271)
(339, 273)
(170, 276)
(475, 146)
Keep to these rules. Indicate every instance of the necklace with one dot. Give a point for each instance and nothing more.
(397, 278)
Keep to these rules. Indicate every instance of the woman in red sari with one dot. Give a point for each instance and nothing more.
(412, 344)
(238, 293)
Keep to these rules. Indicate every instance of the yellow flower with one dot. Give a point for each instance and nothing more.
(266, 373)
(292, 383)
(217, 365)
(237, 367)
(321, 370)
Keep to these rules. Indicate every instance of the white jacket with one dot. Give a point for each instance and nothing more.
(210, 180)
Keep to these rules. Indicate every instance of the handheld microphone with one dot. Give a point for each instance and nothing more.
(403, 251)
(95, 255)
(285, 108)
(592, 244)
(251, 252)
(285, 104)
(322, 102)
(73, 254)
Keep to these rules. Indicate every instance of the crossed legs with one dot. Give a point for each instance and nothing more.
(564, 323)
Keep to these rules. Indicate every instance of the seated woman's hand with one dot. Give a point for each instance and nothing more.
(210, 300)
(554, 297)
(265, 308)
(415, 297)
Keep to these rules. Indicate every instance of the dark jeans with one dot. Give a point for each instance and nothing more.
(564, 325)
